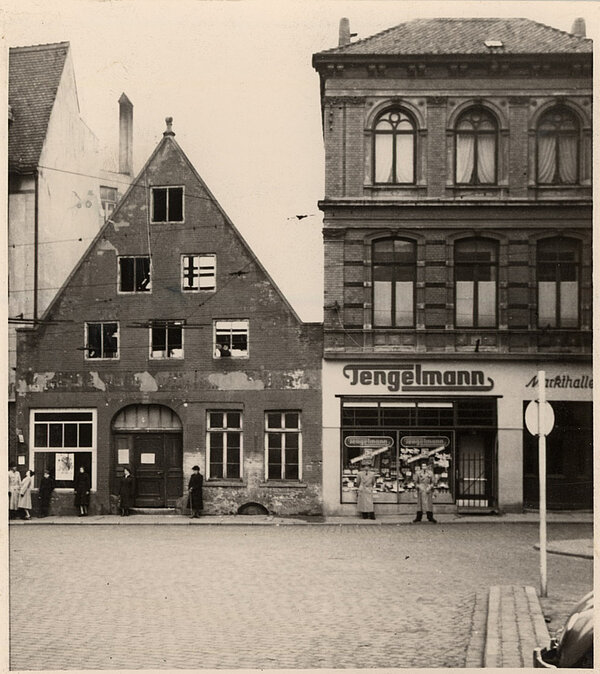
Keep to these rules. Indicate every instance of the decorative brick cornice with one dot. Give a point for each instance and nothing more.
(333, 234)
(344, 100)
(518, 100)
(437, 100)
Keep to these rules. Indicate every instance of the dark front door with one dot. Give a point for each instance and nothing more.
(156, 461)
(475, 470)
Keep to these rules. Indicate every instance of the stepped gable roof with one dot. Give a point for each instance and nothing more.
(466, 36)
(33, 78)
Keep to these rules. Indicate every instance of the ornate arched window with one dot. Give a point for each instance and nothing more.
(394, 271)
(558, 147)
(476, 281)
(558, 262)
(476, 148)
(394, 145)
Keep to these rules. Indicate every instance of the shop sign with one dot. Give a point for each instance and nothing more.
(424, 441)
(369, 441)
(412, 377)
(563, 381)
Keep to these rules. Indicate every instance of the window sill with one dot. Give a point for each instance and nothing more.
(224, 483)
(283, 484)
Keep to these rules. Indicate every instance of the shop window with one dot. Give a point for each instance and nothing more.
(394, 272)
(476, 278)
(166, 339)
(224, 445)
(435, 414)
(198, 272)
(108, 199)
(231, 339)
(167, 204)
(102, 341)
(282, 446)
(476, 146)
(476, 412)
(134, 274)
(558, 283)
(558, 148)
(394, 145)
(63, 441)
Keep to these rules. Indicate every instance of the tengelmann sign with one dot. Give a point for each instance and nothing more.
(369, 441)
(413, 377)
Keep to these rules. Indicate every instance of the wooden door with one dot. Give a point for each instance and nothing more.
(149, 470)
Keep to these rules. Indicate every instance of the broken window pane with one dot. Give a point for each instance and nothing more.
(159, 204)
(167, 340)
(231, 338)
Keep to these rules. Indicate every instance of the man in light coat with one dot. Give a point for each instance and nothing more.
(365, 481)
(424, 480)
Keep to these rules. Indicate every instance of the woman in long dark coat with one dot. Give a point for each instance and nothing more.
(195, 492)
(83, 486)
(45, 493)
(126, 492)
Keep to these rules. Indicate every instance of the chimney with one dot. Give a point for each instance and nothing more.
(578, 27)
(344, 32)
(125, 135)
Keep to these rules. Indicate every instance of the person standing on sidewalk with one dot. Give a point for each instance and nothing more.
(14, 487)
(195, 492)
(46, 489)
(82, 491)
(126, 492)
(25, 493)
(424, 480)
(365, 481)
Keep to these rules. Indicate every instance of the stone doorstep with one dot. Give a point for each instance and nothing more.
(514, 626)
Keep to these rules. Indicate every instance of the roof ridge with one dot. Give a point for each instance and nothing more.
(41, 47)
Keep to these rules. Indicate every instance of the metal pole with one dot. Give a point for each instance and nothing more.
(542, 477)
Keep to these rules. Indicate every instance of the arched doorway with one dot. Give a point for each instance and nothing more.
(148, 438)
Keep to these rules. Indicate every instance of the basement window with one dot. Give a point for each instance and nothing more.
(102, 341)
(231, 339)
(167, 204)
(166, 339)
(134, 274)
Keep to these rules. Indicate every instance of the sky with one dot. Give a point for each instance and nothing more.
(236, 77)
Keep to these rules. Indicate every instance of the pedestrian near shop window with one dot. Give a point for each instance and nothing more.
(195, 492)
(424, 480)
(14, 487)
(45, 493)
(82, 491)
(365, 481)
(25, 494)
(126, 492)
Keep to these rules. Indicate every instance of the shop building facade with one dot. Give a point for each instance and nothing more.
(168, 347)
(457, 233)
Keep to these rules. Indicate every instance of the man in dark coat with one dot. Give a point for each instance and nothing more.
(45, 493)
(83, 486)
(195, 492)
(126, 492)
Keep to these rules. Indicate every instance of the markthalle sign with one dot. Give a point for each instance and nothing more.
(413, 377)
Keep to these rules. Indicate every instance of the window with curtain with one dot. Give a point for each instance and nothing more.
(558, 283)
(558, 148)
(476, 148)
(394, 142)
(394, 272)
(476, 279)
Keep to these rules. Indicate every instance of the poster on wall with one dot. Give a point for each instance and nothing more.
(65, 466)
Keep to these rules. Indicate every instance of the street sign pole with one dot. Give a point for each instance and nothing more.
(542, 477)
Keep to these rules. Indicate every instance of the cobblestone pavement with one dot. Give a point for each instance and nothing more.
(144, 597)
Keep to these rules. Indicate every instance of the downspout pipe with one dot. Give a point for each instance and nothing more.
(36, 242)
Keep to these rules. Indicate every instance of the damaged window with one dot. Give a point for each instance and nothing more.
(224, 444)
(166, 339)
(167, 204)
(198, 272)
(282, 446)
(134, 274)
(108, 198)
(231, 339)
(102, 340)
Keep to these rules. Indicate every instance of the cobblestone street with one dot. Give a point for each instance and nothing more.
(144, 597)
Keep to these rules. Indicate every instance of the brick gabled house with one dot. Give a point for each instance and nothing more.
(170, 346)
(458, 238)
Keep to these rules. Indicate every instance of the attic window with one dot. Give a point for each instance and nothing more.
(494, 43)
(167, 204)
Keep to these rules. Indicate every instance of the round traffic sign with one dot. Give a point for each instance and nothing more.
(532, 418)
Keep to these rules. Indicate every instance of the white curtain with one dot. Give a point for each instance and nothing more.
(405, 158)
(464, 303)
(465, 153)
(567, 169)
(486, 309)
(486, 158)
(404, 304)
(382, 303)
(383, 158)
(546, 158)
(569, 304)
(547, 304)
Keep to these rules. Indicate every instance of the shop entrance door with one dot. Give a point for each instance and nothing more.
(474, 478)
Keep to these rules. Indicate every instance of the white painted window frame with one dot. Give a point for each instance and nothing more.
(283, 432)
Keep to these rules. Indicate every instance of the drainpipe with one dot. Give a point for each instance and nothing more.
(35, 243)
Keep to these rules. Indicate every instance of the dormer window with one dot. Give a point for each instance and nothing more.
(167, 204)
(394, 144)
